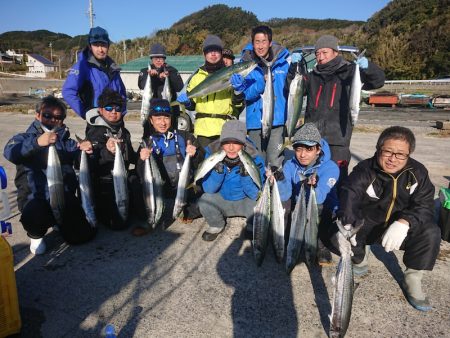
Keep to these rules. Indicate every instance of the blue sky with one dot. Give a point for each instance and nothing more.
(137, 18)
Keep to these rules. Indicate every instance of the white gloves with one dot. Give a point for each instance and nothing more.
(343, 244)
(394, 236)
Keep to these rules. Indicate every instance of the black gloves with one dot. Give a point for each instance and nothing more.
(277, 173)
(219, 168)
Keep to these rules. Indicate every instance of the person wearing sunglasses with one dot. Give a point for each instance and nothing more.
(29, 152)
(106, 128)
(93, 72)
(169, 147)
(392, 196)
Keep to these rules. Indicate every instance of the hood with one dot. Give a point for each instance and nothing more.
(95, 119)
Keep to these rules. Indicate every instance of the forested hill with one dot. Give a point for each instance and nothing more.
(408, 38)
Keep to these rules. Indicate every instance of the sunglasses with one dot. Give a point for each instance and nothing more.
(109, 109)
(49, 115)
(161, 109)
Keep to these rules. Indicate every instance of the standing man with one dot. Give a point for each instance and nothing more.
(253, 87)
(214, 109)
(93, 72)
(328, 89)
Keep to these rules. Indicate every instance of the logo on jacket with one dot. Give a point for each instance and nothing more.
(74, 71)
(331, 182)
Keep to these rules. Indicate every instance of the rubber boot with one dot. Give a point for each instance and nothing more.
(362, 269)
(323, 255)
(412, 287)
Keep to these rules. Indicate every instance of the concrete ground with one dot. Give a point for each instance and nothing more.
(172, 283)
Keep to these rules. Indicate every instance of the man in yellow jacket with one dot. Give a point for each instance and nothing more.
(214, 109)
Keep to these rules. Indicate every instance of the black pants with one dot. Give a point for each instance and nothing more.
(37, 218)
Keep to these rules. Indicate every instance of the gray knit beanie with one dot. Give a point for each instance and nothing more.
(157, 50)
(233, 130)
(327, 41)
(212, 42)
(308, 135)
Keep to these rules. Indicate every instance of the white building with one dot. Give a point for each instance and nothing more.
(39, 66)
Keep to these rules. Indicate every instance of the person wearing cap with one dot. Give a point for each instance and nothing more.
(216, 108)
(159, 71)
(29, 152)
(262, 49)
(229, 191)
(311, 166)
(228, 57)
(328, 89)
(107, 128)
(392, 197)
(169, 146)
(93, 72)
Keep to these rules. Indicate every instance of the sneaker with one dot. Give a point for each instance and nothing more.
(209, 236)
(37, 246)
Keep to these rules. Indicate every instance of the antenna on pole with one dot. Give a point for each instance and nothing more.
(91, 14)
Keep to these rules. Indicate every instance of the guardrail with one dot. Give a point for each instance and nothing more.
(431, 82)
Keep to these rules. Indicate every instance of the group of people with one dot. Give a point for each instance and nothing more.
(390, 194)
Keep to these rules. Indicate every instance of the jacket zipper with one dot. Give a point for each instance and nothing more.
(394, 197)
(318, 95)
(332, 95)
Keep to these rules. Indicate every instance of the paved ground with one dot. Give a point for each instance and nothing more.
(171, 283)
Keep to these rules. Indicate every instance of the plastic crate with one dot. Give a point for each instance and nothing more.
(10, 322)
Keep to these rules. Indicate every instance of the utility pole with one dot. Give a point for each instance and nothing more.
(51, 51)
(141, 50)
(91, 14)
(124, 52)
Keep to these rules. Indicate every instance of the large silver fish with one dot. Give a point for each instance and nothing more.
(251, 167)
(146, 97)
(119, 174)
(268, 102)
(297, 232)
(149, 193)
(261, 224)
(158, 190)
(180, 200)
(86, 193)
(343, 288)
(166, 92)
(277, 221)
(208, 164)
(355, 95)
(220, 80)
(311, 229)
(55, 181)
(294, 103)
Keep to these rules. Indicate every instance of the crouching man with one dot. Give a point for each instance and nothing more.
(394, 197)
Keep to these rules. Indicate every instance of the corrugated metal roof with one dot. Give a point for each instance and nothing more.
(42, 59)
(183, 63)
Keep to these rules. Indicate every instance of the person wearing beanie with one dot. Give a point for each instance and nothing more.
(159, 71)
(311, 166)
(328, 88)
(169, 147)
(106, 128)
(271, 57)
(214, 109)
(93, 72)
(229, 190)
(228, 57)
(29, 152)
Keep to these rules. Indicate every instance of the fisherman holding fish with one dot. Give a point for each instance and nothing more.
(214, 109)
(264, 93)
(392, 194)
(231, 179)
(169, 146)
(328, 88)
(109, 136)
(29, 151)
(312, 165)
(93, 72)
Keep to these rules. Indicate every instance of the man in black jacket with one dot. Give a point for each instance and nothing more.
(328, 90)
(392, 195)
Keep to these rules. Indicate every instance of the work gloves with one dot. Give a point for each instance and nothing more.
(362, 62)
(184, 100)
(219, 168)
(238, 83)
(394, 236)
(296, 57)
(342, 243)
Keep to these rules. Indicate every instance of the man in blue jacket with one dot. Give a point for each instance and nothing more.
(93, 72)
(29, 152)
(229, 189)
(312, 162)
(263, 50)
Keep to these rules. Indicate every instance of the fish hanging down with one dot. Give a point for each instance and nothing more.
(166, 93)
(158, 190)
(146, 97)
(268, 102)
(355, 95)
(119, 174)
(277, 222)
(180, 200)
(294, 103)
(311, 229)
(149, 193)
(261, 224)
(86, 192)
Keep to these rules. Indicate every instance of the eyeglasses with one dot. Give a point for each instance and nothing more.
(49, 115)
(398, 156)
(109, 109)
(161, 109)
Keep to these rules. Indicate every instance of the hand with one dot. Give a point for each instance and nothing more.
(183, 99)
(153, 72)
(145, 153)
(219, 167)
(277, 173)
(296, 57)
(111, 144)
(394, 236)
(362, 62)
(163, 75)
(312, 180)
(190, 149)
(86, 146)
(47, 138)
(343, 243)
(238, 82)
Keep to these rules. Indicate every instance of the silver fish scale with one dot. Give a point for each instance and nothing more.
(166, 93)
(158, 190)
(277, 222)
(87, 198)
(180, 200)
(311, 229)
(261, 224)
(355, 95)
(149, 193)
(120, 183)
(295, 103)
(267, 97)
(55, 184)
(146, 97)
(251, 167)
(208, 164)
